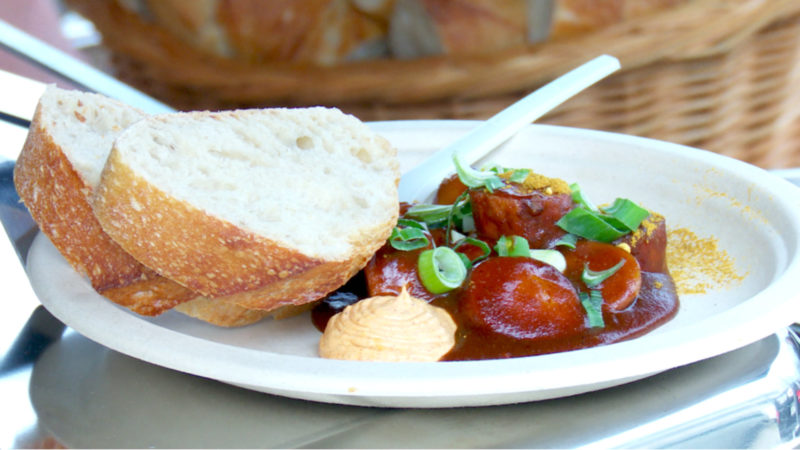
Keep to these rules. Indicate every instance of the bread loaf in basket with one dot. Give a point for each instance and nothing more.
(715, 74)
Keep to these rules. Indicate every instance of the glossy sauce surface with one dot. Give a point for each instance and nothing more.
(656, 304)
(517, 306)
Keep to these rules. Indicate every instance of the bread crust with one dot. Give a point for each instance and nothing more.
(214, 257)
(315, 283)
(194, 22)
(56, 197)
(574, 17)
(305, 31)
(221, 313)
(243, 280)
(204, 253)
(474, 26)
(151, 295)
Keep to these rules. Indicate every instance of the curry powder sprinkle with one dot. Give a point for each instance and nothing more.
(537, 182)
(697, 264)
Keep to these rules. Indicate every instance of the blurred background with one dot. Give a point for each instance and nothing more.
(721, 75)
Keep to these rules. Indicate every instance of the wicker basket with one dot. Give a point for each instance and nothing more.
(722, 75)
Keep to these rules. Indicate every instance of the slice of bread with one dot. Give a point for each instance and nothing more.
(56, 175)
(266, 207)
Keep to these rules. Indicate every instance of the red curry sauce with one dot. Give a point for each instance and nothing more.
(518, 306)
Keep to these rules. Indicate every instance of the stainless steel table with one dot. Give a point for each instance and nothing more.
(60, 389)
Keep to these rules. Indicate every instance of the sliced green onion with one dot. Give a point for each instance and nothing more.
(513, 246)
(580, 198)
(518, 246)
(516, 175)
(593, 278)
(519, 175)
(587, 220)
(613, 221)
(409, 223)
(440, 216)
(627, 212)
(455, 237)
(465, 260)
(407, 239)
(486, 251)
(589, 225)
(468, 223)
(462, 208)
(408, 235)
(496, 168)
(435, 216)
(552, 257)
(593, 305)
(441, 270)
(476, 178)
(567, 240)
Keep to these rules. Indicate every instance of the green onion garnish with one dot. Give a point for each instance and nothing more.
(516, 175)
(601, 224)
(409, 223)
(468, 223)
(568, 240)
(513, 246)
(434, 216)
(465, 259)
(460, 216)
(476, 178)
(441, 216)
(455, 237)
(593, 303)
(593, 278)
(552, 257)
(589, 225)
(627, 212)
(408, 235)
(519, 175)
(441, 270)
(580, 198)
(486, 251)
(518, 246)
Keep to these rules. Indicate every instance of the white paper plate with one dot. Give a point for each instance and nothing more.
(755, 216)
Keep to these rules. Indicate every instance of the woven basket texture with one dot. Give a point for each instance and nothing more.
(721, 75)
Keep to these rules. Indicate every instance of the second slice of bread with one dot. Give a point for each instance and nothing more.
(56, 175)
(266, 207)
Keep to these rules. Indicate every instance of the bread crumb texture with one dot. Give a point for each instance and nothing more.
(319, 171)
(204, 253)
(85, 126)
(238, 201)
(698, 265)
